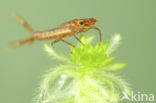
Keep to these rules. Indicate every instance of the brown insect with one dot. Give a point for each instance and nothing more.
(71, 28)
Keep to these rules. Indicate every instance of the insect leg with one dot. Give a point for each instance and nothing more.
(67, 43)
(98, 31)
(57, 40)
(79, 40)
(23, 22)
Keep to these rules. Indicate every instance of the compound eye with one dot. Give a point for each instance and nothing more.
(81, 23)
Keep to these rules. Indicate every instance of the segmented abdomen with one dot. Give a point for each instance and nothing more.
(54, 33)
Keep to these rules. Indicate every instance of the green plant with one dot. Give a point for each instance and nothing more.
(88, 75)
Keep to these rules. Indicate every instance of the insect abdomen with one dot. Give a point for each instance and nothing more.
(54, 33)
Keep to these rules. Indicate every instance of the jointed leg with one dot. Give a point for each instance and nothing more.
(67, 43)
(23, 22)
(57, 40)
(79, 40)
(98, 31)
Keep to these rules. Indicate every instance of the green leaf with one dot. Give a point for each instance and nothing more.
(114, 67)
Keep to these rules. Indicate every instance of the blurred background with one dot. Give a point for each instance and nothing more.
(21, 69)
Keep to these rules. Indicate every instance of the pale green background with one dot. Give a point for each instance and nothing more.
(20, 69)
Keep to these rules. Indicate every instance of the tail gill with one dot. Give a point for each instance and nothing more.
(20, 43)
